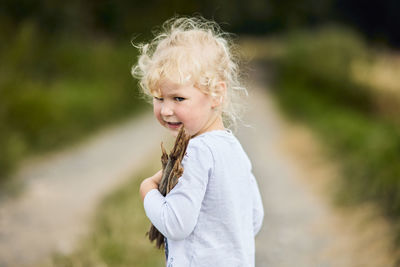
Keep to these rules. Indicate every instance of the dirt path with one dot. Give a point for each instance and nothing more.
(300, 227)
(63, 188)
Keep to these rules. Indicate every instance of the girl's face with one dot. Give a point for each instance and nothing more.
(185, 105)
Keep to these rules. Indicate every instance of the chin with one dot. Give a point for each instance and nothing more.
(174, 133)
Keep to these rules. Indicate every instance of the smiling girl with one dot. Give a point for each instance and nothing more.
(211, 216)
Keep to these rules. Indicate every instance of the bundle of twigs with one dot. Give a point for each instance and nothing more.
(172, 170)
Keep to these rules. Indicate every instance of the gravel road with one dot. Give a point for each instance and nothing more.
(300, 227)
(62, 190)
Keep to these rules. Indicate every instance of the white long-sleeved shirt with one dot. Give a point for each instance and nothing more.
(210, 218)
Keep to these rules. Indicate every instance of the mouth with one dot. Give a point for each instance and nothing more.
(173, 125)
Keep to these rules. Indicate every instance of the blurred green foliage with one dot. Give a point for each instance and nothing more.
(55, 89)
(321, 61)
(118, 235)
(314, 84)
(377, 20)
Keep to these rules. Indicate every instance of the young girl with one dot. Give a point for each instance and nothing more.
(210, 218)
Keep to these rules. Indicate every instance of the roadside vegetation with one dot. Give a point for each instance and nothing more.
(117, 236)
(55, 90)
(330, 79)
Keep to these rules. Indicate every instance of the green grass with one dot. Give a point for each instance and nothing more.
(314, 86)
(54, 91)
(118, 233)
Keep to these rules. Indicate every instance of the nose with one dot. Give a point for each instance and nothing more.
(166, 110)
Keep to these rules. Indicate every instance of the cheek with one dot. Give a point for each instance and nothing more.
(157, 110)
(194, 114)
(184, 113)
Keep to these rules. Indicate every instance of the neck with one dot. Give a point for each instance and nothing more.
(215, 123)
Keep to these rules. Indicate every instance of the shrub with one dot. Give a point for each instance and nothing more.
(314, 84)
(56, 90)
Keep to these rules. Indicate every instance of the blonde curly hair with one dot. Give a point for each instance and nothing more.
(196, 50)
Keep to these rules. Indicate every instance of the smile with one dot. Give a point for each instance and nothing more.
(173, 125)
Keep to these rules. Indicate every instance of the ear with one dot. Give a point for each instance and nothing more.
(218, 97)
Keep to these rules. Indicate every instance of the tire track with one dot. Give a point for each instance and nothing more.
(63, 188)
(301, 227)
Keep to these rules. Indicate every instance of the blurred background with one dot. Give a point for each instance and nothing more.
(333, 65)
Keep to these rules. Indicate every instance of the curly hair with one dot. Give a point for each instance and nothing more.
(196, 50)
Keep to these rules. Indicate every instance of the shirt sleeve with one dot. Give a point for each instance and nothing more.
(258, 209)
(176, 214)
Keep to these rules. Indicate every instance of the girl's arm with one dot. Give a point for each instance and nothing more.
(258, 209)
(176, 214)
(150, 183)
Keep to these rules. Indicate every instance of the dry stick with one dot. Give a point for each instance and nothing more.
(172, 170)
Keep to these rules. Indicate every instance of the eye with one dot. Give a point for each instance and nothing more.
(158, 98)
(179, 99)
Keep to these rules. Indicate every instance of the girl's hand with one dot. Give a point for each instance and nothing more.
(150, 183)
(157, 177)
